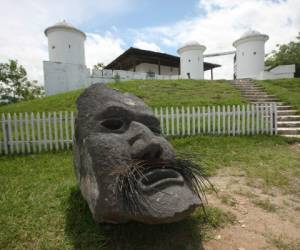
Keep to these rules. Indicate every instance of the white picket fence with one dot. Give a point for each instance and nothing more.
(32, 133)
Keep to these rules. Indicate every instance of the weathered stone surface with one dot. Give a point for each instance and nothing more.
(125, 168)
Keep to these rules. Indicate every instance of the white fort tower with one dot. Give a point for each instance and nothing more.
(66, 69)
(250, 55)
(191, 60)
(65, 43)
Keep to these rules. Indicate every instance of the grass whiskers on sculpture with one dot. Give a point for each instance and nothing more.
(145, 176)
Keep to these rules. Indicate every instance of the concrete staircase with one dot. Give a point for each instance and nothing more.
(288, 123)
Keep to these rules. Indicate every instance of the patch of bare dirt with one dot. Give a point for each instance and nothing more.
(265, 220)
(295, 147)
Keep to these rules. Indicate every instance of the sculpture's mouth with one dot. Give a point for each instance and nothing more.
(156, 179)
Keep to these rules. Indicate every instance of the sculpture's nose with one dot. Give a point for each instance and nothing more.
(146, 150)
(144, 144)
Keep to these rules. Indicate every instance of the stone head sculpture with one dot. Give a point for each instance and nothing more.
(126, 170)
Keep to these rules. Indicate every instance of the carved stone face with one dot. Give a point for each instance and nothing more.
(125, 168)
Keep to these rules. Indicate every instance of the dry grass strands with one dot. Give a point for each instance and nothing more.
(131, 193)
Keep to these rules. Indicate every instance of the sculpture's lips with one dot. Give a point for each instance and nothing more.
(157, 179)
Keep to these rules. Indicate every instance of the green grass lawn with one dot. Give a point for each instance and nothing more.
(155, 93)
(272, 159)
(41, 206)
(182, 92)
(287, 90)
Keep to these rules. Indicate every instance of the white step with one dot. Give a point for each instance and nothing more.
(269, 102)
(289, 131)
(287, 112)
(284, 107)
(262, 100)
(288, 124)
(259, 96)
(288, 118)
(292, 136)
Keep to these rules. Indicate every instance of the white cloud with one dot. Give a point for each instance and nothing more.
(23, 23)
(146, 45)
(225, 21)
(102, 48)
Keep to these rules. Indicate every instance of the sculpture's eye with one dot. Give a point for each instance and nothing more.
(112, 124)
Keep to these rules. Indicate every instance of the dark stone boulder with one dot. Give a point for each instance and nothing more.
(125, 168)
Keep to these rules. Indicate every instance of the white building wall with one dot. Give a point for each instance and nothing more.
(66, 45)
(63, 77)
(279, 72)
(191, 61)
(284, 69)
(250, 59)
(149, 67)
(166, 70)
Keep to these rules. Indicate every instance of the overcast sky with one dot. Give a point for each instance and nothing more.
(112, 26)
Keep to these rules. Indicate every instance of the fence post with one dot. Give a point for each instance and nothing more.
(172, 121)
(16, 133)
(274, 116)
(167, 120)
(271, 125)
(177, 121)
(252, 119)
(183, 120)
(188, 119)
(38, 125)
(248, 119)
(198, 120)
(208, 120)
(219, 120)
(28, 146)
(45, 140)
(257, 119)
(267, 119)
(50, 131)
(203, 120)
(67, 127)
(224, 119)
(262, 125)
(21, 123)
(243, 120)
(228, 120)
(32, 118)
(193, 121)
(213, 120)
(233, 120)
(10, 134)
(238, 119)
(5, 138)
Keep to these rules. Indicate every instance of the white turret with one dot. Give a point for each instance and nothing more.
(191, 60)
(65, 43)
(250, 54)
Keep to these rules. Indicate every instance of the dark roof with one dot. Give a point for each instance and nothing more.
(134, 56)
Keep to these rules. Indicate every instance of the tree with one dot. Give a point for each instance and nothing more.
(14, 85)
(99, 66)
(286, 54)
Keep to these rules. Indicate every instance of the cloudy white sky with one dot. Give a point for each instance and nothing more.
(114, 26)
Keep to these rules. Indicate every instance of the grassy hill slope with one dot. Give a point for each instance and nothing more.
(287, 90)
(156, 93)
